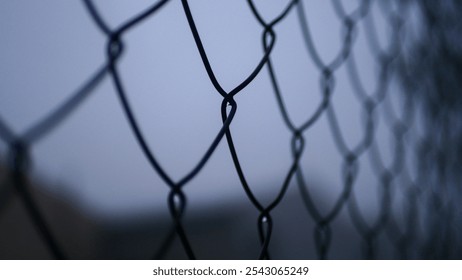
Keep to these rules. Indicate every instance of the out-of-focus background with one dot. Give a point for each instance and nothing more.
(385, 150)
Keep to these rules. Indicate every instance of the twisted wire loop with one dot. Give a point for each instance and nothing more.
(176, 197)
(264, 222)
(19, 162)
(406, 240)
(322, 231)
(403, 239)
(424, 167)
(429, 196)
(399, 124)
(370, 103)
(20, 159)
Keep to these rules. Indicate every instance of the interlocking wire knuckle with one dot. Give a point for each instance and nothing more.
(430, 204)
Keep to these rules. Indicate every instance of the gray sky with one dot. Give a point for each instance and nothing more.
(49, 48)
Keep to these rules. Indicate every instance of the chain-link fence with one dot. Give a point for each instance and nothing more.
(407, 148)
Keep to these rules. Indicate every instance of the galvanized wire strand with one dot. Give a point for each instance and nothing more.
(404, 239)
(176, 199)
(228, 96)
(350, 168)
(264, 222)
(408, 241)
(20, 146)
(369, 104)
(443, 110)
(66, 108)
(399, 127)
(356, 15)
(115, 48)
(298, 140)
(344, 51)
(6, 134)
(59, 114)
(297, 143)
(20, 154)
(423, 167)
(19, 161)
(228, 100)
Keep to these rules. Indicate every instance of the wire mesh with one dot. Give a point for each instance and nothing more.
(423, 166)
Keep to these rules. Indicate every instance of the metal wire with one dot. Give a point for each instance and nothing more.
(431, 200)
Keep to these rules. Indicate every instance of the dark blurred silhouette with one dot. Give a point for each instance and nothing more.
(432, 76)
(227, 232)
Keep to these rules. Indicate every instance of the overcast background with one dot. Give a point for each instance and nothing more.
(49, 48)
